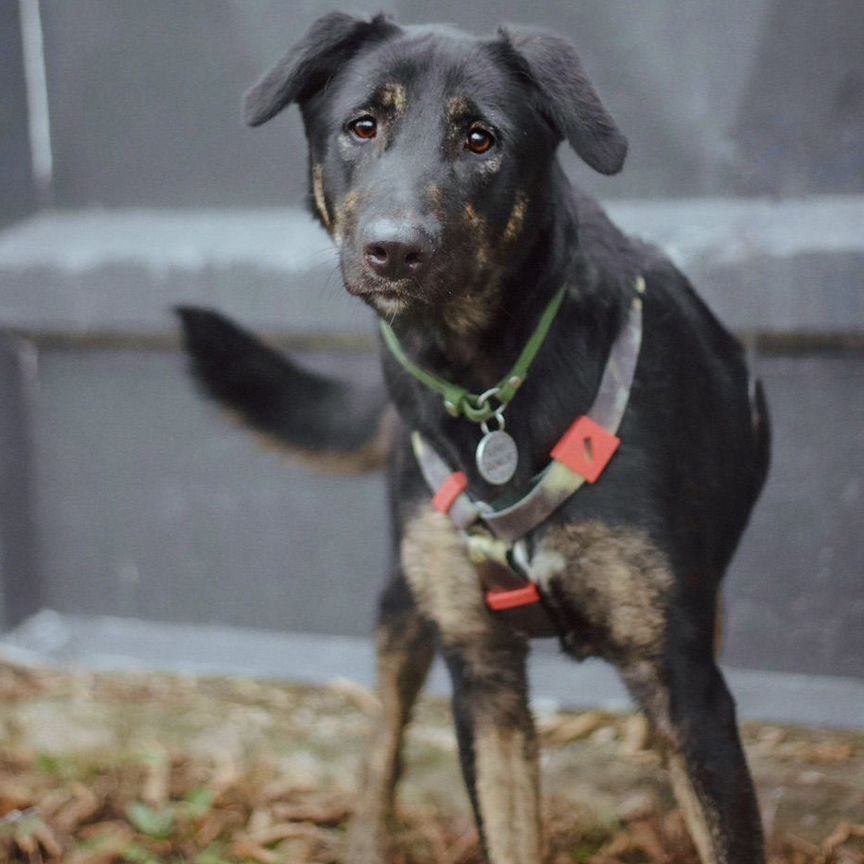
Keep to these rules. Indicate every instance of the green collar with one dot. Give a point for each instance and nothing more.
(458, 401)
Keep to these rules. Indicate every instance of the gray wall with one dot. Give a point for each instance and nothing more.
(20, 576)
(744, 96)
(152, 505)
(18, 196)
(795, 595)
(156, 507)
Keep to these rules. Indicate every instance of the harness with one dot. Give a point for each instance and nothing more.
(496, 534)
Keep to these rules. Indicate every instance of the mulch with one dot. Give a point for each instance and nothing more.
(230, 805)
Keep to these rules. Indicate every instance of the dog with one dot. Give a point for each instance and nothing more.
(574, 442)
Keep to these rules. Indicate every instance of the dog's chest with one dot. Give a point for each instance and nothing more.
(607, 588)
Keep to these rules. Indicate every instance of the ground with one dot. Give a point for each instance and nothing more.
(137, 768)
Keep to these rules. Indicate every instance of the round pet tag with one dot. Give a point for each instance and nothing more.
(497, 457)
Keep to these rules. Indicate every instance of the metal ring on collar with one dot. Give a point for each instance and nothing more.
(483, 398)
(499, 416)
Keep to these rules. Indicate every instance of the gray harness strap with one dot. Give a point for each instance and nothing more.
(557, 482)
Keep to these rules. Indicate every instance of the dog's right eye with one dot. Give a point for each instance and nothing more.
(363, 128)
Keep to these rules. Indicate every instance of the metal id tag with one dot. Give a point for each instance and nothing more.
(497, 457)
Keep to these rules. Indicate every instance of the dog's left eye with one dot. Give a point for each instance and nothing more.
(479, 140)
(364, 128)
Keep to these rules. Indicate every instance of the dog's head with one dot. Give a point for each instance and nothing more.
(430, 150)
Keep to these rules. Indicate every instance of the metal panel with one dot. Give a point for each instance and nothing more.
(152, 505)
(18, 196)
(20, 587)
(795, 598)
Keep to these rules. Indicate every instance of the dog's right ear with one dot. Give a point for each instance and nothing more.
(331, 41)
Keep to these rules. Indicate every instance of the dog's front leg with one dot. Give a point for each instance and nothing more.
(405, 646)
(686, 698)
(486, 659)
(498, 745)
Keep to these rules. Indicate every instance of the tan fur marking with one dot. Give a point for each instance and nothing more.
(318, 192)
(505, 762)
(643, 676)
(448, 591)
(436, 199)
(475, 220)
(344, 213)
(477, 225)
(444, 582)
(719, 634)
(517, 219)
(467, 316)
(694, 812)
(372, 457)
(470, 312)
(457, 108)
(616, 577)
(395, 98)
(404, 656)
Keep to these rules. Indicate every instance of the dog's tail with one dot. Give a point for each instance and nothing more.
(337, 427)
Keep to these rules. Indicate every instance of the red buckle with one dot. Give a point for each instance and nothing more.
(586, 448)
(450, 490)
(500, 601)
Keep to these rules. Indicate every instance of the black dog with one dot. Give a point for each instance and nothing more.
(432, 165)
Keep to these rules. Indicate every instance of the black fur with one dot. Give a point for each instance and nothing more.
(567, 98)
(272, 394)
(307, 67)
(496, 234)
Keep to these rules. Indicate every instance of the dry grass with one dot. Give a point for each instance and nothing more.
(96, 769)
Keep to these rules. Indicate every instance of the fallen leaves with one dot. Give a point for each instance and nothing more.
(221, 800)
(845, 845)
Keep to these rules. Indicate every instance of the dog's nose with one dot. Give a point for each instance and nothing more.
(396, 250)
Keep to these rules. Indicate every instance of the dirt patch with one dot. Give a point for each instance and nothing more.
(158, 768)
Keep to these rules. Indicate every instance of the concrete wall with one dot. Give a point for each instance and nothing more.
(744, 96)
(180, 517)
(18, 196)
(155, 507)
(20, 576)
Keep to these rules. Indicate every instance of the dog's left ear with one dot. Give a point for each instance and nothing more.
(329, 43)
(567, 97)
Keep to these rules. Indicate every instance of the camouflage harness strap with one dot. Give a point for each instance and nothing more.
(496, 534)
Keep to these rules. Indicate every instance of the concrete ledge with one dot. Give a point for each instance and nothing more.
(105, 643)
(766, 266)
(120, 272)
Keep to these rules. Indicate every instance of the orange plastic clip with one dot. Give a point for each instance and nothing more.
(450, 490)
(586, 448)
(501, 601)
